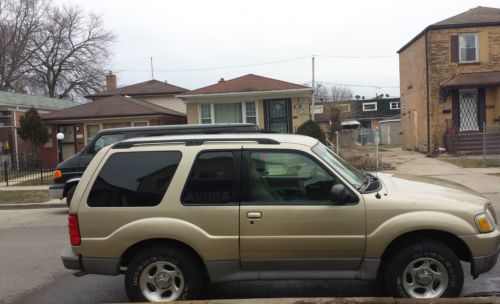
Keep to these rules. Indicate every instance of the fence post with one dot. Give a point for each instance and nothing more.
(484, 144)
(337, 144)
(377, 140)
(5, 167)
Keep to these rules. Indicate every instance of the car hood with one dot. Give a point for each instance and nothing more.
(434, 189)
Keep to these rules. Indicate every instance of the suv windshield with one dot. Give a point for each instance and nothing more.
(354, 176)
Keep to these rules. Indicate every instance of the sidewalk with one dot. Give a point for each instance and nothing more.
(18, 188)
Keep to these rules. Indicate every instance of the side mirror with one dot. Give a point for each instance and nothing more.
(341, 195)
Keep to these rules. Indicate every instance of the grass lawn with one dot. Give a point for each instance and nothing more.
(467, 162)
(23, 196)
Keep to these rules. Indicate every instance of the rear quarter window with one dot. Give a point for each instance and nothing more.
(134, 179)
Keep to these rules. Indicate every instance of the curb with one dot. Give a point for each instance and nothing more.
(32, 206)
(382, 300)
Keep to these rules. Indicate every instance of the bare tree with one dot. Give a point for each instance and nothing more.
(71, 53)
(332, 93)
(19, 21)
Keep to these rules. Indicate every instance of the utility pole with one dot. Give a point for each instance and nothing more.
(314, 88)
(151, 61)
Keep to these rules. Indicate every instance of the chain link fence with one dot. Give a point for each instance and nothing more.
(491, 145)
(359, 147)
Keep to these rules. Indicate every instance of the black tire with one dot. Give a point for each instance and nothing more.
(396, 263)
(185, 260)
(69, 195)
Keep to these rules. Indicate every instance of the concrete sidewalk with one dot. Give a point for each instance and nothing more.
(471, 300)
(17, 188)
(56, 203)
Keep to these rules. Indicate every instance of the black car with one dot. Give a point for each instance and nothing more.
(68, 172)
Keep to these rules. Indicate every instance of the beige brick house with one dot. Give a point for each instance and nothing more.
(450, 81)
(273, 105)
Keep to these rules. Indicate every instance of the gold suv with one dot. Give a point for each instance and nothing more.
(173, 213)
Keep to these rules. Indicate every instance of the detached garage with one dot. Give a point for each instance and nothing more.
(390, 132)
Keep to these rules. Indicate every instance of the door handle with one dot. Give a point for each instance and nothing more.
(254, 215)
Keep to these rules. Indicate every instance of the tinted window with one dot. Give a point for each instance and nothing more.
(134, 179)
(212, 179)
(287, 177)
(107, 140)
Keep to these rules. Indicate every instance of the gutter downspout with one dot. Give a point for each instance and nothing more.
(428, 101)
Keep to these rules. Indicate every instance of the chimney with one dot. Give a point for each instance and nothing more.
(110, 81)
(221, 80)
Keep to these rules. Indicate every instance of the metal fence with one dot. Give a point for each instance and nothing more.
(359, 147)
(28, 171)
(491, 145)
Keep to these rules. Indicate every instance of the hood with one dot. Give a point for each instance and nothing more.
(73, 161)
(432, 189)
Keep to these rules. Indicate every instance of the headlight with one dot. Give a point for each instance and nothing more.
(485, 222)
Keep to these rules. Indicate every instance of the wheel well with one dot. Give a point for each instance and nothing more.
(67, 187)
(452, 241)
(133, 250)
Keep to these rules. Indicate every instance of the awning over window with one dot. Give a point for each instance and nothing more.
(472, 80)
(350, 123)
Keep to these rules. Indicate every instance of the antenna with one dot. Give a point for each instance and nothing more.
(152, 73)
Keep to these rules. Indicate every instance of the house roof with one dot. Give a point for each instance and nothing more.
(480, 79)
(38, 102)
(246, 83)
(478, 16)
(113, 106)
(150, 87)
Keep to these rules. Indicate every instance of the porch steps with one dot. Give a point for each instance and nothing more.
(472, 143)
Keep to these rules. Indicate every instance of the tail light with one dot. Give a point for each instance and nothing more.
(74, 230)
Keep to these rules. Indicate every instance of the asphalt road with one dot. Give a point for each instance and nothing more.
(31, 271)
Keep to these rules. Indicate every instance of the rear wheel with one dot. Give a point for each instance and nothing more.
(69, 195)
(163, 274)
(424, 268)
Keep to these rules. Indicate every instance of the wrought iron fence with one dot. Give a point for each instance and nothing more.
(24, 169)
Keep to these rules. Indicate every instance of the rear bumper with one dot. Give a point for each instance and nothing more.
(90, 265)
(484, 263)
(56, 191)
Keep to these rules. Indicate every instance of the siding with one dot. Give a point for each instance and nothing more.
(169, 102)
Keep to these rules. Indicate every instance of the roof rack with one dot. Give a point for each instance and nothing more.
(192, 142)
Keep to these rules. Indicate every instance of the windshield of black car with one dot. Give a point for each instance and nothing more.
(354, 176)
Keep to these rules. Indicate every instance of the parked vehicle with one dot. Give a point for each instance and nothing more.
(173, 212)
(67, 174)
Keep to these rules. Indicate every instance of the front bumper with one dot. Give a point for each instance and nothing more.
(482, 264)
(56, 191)
(102, 266)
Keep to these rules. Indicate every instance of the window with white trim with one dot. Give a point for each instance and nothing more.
(395, 105)
(90, 132)
(140, 124)
(236, 112)
(468, 47)
(369, 106)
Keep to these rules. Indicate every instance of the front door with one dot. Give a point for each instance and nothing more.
(68, 144)
(278, 115)
(287, 218)
(468, 108)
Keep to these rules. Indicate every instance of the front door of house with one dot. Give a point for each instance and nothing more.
(68, 144)
(468, 109)
(278, 115)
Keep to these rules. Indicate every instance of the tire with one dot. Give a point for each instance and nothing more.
(69, 195)
(183, 281)
(423, 268)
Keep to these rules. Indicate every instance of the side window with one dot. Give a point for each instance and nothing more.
(134, 179)
(287, 177)
(212, 179)
(107, 140)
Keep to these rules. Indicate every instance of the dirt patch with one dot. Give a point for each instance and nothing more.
(468, 162)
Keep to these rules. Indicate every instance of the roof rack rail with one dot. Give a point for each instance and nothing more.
(193, 142)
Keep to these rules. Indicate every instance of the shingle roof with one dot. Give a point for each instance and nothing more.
(478, 16)
(39, 102)
(150, 87)
(113, 106)
(479, 79)
(247, 83)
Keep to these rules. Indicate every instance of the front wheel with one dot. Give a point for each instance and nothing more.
(423, 269)
(163, 274)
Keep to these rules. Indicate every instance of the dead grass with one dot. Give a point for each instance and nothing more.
(23, 196)
(467, 162)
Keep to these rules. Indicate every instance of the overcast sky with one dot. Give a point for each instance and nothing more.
(188, 34)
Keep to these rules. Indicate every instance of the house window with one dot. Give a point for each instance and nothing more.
(395, 105)
(468, 47)
(48, 144)
(344, 107)
(140, 124)
(91, 131)
(369, 106)
(228, 112)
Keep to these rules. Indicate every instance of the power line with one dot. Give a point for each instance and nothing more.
(254, 64)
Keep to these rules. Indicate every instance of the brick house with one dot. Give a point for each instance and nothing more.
(273, 105)
(81, 123)
(450, 81)
(13, 149)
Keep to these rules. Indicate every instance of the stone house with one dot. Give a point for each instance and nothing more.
(274, 105)
(450, 82)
